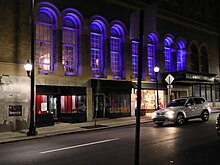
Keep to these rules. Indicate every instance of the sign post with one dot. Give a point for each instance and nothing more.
(169, 79)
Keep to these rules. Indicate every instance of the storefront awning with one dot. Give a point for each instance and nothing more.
(60, 90)
(188, 77)
(152, 86)
(112, 84)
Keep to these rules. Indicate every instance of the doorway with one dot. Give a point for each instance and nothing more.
(98, 106)
(53, 106)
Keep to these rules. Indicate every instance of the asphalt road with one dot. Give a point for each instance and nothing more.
(195, 143)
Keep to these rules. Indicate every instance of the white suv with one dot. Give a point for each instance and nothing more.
(182, 109)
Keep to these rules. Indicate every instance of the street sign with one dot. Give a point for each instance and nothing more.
(169, 79)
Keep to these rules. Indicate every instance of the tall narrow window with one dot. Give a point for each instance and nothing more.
(116, 51)
(181, 56)
(96, 48)
(135, 58)
(194, 58)
(204, 60)
(152, 47)
(44, 41)
(168, 54)
(70, 45)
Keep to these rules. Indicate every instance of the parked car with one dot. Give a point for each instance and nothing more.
(218, 125)
(181, 110)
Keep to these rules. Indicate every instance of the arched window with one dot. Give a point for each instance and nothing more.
(135, 58)
(194, 63)
(204, 60)
(116, 41)
(181, 56)
(152, 42)
(70, 44)
(96, 48)
(45, 22)
(168, 53)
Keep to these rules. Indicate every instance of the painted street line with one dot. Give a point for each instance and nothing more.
(77, 146)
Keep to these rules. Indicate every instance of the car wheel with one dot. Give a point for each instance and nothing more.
(180, 119)
(205, 116)
(159, 124)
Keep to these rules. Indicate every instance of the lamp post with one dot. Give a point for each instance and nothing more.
(156, 70)
(29, 67)
(32, 128)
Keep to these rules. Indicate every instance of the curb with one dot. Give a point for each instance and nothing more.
(81, 130)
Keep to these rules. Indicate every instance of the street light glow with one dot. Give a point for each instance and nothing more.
(156, 69)
(28, 66)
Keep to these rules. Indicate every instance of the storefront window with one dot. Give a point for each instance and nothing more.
(148, 99)
(217, 93)
(203, 91)
(120, 103)
(73, 104)
(196, 90)
(208, 91)
(41, 104)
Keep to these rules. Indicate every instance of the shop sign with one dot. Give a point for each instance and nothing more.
(15, 110)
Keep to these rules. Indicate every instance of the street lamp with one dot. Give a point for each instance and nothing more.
(32, 128)
(29, 67)
(156, 70)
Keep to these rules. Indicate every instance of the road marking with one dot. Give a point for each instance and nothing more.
(77, 146)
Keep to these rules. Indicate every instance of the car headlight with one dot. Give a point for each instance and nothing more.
(170, 114)
(154, 114)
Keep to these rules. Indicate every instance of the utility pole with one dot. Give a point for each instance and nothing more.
(140, 54)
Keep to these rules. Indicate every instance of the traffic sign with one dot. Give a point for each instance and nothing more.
(169, 79)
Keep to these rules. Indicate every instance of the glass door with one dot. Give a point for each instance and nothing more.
(53, 105)
(99, 106)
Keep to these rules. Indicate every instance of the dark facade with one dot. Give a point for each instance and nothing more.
(86, 57)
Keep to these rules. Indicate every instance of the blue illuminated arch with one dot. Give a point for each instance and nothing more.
(134, 46)
(116, 53)
(51, 10)
(152, 43)
(97, 46)
(46, 21)
(168, 53)
(76, 17)
(72, 27)
(181, 55)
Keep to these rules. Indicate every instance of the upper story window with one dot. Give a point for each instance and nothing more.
(116, 51)
(135, 58)
(70, 45)
(152, 48)
(181, 56)
(204, 60)
(44, 41)
(96, 48)
(194, 56)
(168, 54)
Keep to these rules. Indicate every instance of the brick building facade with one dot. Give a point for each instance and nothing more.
(89, 66)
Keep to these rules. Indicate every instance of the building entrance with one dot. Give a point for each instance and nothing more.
(99, 106)
(53, 107)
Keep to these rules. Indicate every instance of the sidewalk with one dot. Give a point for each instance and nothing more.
(67, 128)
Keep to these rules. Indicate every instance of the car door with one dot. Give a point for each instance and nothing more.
(198, 106)
(190, 108)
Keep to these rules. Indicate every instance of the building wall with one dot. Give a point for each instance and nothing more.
(15, 44)
(14, 92)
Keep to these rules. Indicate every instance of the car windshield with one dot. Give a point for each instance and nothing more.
(178, 102)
